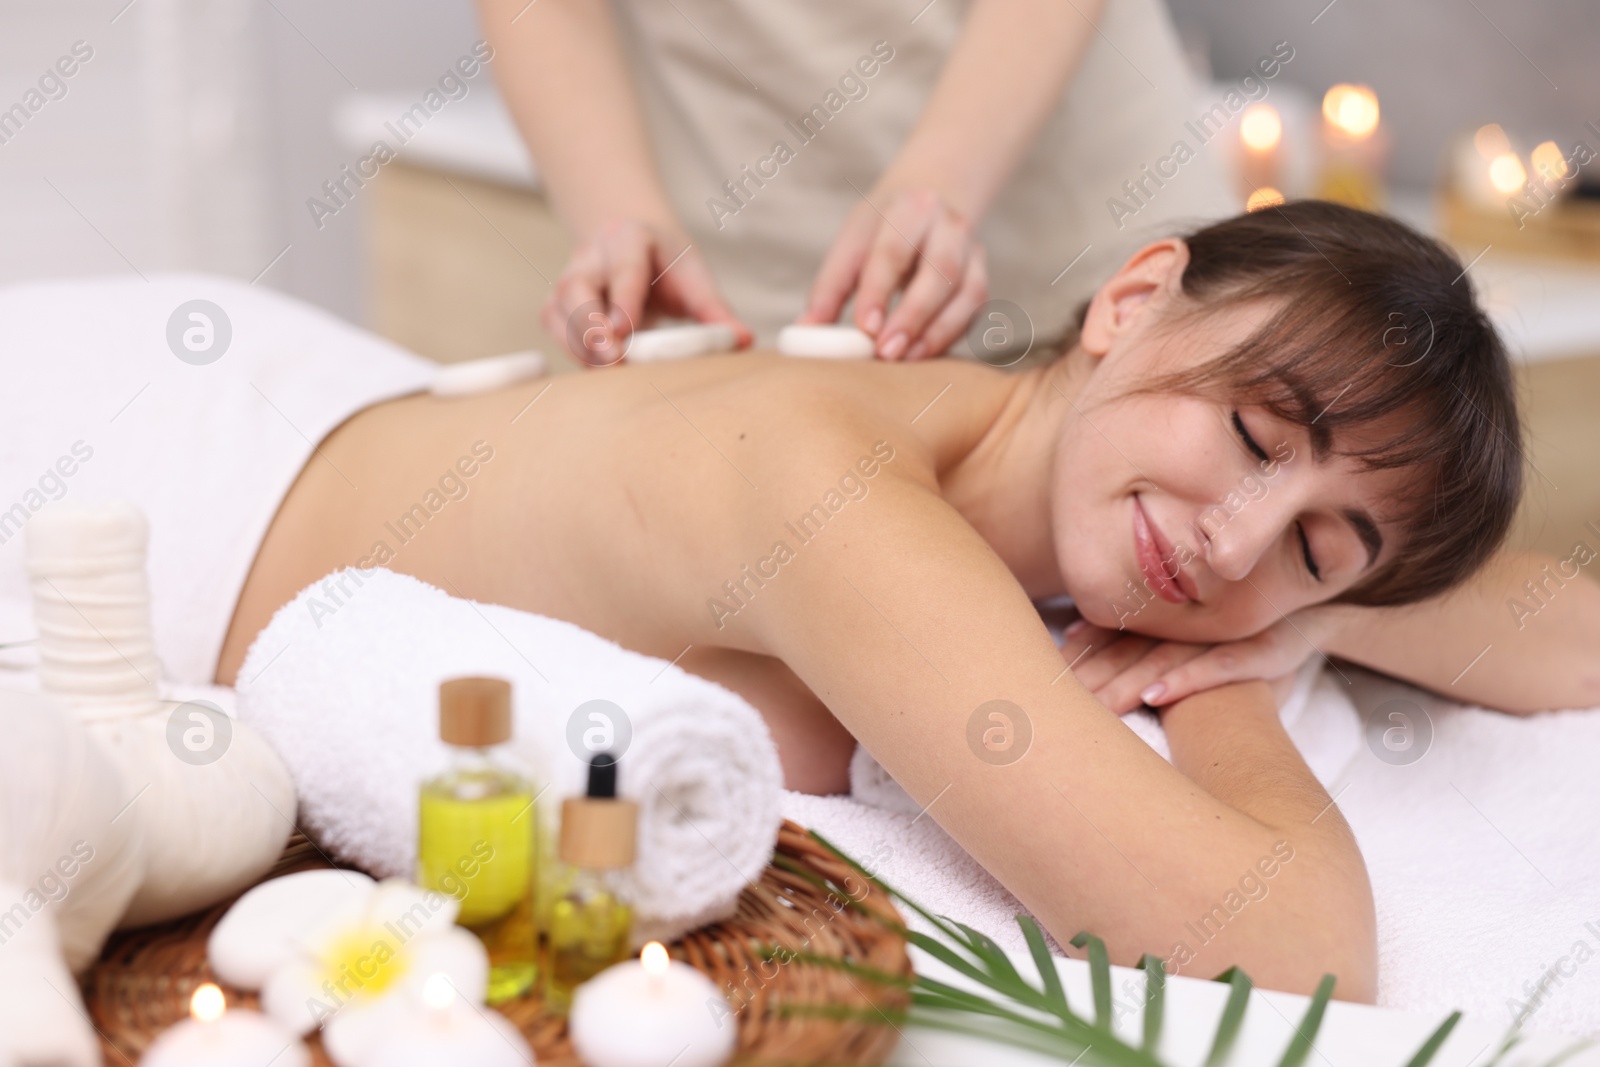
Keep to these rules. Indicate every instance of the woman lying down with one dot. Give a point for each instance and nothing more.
(1291, 434)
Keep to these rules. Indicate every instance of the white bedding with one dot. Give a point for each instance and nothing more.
(1482, 852)
(99, 405)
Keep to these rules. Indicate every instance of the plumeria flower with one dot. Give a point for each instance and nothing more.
(338, 950)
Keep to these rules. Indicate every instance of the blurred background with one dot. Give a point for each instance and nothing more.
(204, 134)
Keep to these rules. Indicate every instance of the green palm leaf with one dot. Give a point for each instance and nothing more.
(1099, 976)
(1155, 977)
(1054, 996)
(1430, 1047)
(1304, 1034)
(1008, 1008)
(1232, 1015)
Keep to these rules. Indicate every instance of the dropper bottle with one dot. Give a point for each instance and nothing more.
(477, 832)
(590, 921)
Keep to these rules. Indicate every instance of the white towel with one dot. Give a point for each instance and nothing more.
(1483, 860)
(1481, 851)
(344, 682)
(104, 407)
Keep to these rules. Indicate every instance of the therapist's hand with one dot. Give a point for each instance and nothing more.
(916, 242)
(623, 276)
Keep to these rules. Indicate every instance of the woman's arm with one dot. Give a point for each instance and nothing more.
(1231, 742)
(561, 71)
(1522, 636)
(910, 628)
(1002, 81)
(995, 92)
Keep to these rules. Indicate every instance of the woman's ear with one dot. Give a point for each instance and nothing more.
(1151, 278)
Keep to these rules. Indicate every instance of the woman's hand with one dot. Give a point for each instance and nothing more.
(625, 275)
(1125, 670)
(918, 241)
(1117, 665)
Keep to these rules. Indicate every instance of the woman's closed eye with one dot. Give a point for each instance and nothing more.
(1300, 529)
(1250, 442)
(1305, 550)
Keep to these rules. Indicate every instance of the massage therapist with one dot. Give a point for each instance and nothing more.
(760, 162)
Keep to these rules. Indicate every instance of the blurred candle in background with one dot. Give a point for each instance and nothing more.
(1491, 140)
(1507, 173)
(1265, 196)
(1261, 135)
(1354, 148)
(1483, 164)
(1549, 165)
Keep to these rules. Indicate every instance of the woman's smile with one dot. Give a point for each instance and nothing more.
(1158, 559)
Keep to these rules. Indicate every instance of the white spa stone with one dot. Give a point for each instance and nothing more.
(679, 342)
(482, 375)
(826, 342)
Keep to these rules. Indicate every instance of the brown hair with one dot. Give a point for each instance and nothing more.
(1377, 329)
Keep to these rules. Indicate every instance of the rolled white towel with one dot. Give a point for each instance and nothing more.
(344, 681)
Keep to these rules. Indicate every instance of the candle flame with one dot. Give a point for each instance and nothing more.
(1266, 196)
(1261, 127)
(1352, 108)
(437, 992)
(1491, 141)
(1547, 160)
(1506, 173)
(207, 1004)
(654, 959)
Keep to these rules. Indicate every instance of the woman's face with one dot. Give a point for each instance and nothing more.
(1189, 518)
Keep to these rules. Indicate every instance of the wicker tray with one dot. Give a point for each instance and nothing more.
(142, 983)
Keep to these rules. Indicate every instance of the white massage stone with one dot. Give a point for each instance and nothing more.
(826, 342)
(679, 342)
(482, 375)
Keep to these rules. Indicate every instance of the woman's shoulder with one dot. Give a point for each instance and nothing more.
(802, 411)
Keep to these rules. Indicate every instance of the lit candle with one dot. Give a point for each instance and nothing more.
(1264, 197)
(1353, 147)
(450, 1030)
(1507, 174)
(1261, 135)
(649, 1011)
(214, 1037)
(1485, 168)
(1550, 166)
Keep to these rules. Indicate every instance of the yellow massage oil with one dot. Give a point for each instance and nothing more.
(590, 922)
(478, 833)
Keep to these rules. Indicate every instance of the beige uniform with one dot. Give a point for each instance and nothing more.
(766, 123)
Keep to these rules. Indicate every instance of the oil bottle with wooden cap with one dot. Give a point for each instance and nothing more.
(590, 921)
(477, 832)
